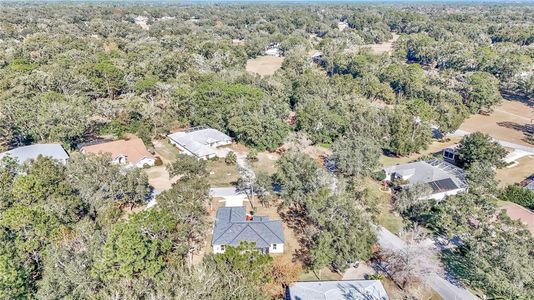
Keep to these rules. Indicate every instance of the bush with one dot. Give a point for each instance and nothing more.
(231, 158)
(380, 175)
(519, 195)
(158, 161)
(252, 155)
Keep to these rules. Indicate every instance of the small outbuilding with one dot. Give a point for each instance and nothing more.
(31, 152)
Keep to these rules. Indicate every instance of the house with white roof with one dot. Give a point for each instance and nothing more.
(273, 50)
(200, 142)
(31, 152)
(233, 226)
(337, 290)
(443, 178)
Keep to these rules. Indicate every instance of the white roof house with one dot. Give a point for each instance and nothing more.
(199, 141)
(26, 153)
(337, 290)
(273, 50)
(442, 177)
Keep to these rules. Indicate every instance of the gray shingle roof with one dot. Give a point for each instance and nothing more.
(198, 140)
(232, 228)
(440, 175)
(25, 153)
(337, 290)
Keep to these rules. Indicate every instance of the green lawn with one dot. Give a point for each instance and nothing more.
(323, 274)
(222, 174)
(386, 217)
(165, 150)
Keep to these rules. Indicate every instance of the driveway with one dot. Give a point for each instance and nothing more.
(441, 285)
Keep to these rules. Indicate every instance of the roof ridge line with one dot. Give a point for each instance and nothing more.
(273, 231)
(260, 234)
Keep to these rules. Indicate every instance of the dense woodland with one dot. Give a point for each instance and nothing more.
(69, 73)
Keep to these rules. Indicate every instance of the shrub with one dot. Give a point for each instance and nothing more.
(231, 158)
(158, 161)
(380, 175)
(252, 155)
(519, 195)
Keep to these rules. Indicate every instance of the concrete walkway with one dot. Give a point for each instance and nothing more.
(441, 285)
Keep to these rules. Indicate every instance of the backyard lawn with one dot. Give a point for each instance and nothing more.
(222, 174)
(387, 218)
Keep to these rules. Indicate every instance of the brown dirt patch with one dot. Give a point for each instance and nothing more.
(510, 121)
(266, 162)
(264, 65)
(159, 178)
(518, 212)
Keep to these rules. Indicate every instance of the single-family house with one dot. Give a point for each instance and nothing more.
(317, 57)
(131, 153)
(337, 290)
(200, 142)
(31, 152)
(442, 177)
(233, 226)
(342, 25)
(273, 50)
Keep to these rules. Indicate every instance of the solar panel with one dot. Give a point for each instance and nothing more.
(443, 185)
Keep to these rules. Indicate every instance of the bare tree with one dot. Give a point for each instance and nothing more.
(413, 262)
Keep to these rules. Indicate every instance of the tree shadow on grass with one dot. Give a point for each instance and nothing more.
(526, 129)
(456, 266)
(297, 220)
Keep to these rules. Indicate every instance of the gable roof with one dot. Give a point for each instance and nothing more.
(25, 153)
(198, 140)
(337, 290)
(134, 149)
(439, 175)
(232, 228)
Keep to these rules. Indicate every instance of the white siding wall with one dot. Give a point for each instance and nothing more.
(279, 248)
(146, 161)
(441, 196)
(217, 249)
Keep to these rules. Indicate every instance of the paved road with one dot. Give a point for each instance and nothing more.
(461, 133)
(442, 286)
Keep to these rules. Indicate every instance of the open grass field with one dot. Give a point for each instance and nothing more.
(434, 148)
(264, 65)
(517, 173)
(510, 121)
(222, 174)
(376, 48)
